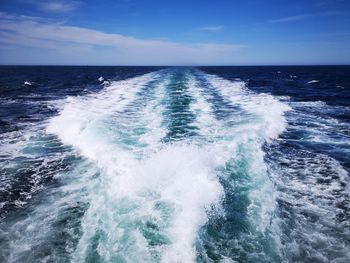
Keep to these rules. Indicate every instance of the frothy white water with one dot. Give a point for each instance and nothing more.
(268, 112)
(48, 230)
(236, 136)
(87, 122)
(169, 188)
(151, 198)
(153, 209)
(321, 129)
(313, 194)
(255, 119)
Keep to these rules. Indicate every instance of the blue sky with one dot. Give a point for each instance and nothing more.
(145, 32)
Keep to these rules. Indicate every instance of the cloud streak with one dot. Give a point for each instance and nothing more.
(212, 28)
(59, 7)
(107, 48)
(306, 16)
(290, 18)
(54, 6)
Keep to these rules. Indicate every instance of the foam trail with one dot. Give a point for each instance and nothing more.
(83, 120)
(149, 199)
(160, 147)
(307, 204)
(268, 110)
(102, 127)
(240, 123)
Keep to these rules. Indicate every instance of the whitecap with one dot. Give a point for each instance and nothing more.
(313, 81)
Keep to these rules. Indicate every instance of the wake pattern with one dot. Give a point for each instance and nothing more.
(180, 171)
(168, 167)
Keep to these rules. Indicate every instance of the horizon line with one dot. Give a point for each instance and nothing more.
(141, 65)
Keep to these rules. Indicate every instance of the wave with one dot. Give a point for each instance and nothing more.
(313, 81)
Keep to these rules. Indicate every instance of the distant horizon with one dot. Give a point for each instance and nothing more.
(97, 65)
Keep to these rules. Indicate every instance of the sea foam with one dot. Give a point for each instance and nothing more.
(151, 198)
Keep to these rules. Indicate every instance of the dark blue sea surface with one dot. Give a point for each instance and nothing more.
(174, 164)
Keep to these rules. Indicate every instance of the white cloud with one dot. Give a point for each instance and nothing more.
(101, 48)
(212, 28)
(307, 16)
(54, 6)
(290, 18)
(59, 7)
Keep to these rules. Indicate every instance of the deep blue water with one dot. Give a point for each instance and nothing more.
(179, 164)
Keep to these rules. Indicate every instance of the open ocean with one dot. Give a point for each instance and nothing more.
(179, 164)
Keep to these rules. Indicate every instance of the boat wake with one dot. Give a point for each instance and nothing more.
(169, 166)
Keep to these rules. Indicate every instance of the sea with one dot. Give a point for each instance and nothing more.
(175, 164)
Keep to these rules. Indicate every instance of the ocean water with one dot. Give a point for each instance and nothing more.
(178, 164)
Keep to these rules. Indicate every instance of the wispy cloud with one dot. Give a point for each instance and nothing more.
(60, 7)
(7, 16)
(54, 6)
(306, 16)
(212, 28)
(290, 18)
(20, 31)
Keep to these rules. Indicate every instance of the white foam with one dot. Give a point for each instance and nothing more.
(268, 113)
(317, 103)
(313, 81)
(313, 187)
(83, 120)
(205, 120)
(170, 186)
(228, 137)
(101, 79)
(38, 227)
(181, 177)
(259, 118)
(326, 129)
